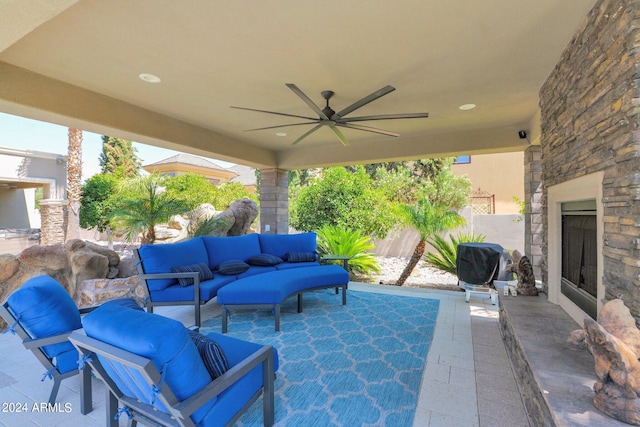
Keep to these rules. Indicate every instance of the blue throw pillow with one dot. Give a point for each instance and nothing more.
(301, 256)
(211, 353)
(264, 260)
(201, 268)
(232, 267)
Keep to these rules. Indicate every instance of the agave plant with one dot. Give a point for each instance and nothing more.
(446, 250)
(350, 243)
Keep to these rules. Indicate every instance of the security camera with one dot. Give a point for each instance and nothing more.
(522, 134)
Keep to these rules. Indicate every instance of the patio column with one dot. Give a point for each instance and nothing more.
(52, 219)
(533, 224)
(274, 201)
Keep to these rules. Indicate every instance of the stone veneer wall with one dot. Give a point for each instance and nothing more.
(589, 114)
(52, 218)
(533, 224)
(274, 201)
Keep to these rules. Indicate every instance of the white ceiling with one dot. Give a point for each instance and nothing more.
(77, 63)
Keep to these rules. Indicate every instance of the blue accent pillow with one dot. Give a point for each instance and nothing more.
(211, 353)
(301, 256)
(201, 268)
(232, 267)
(264, 260)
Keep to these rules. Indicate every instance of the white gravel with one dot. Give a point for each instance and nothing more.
(422, 276)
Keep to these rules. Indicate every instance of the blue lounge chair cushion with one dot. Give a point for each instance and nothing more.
(44, 308)
(161, 258)
(220, 249)
(164, 341)
(231, 400)
(201, 268)
(280, 244)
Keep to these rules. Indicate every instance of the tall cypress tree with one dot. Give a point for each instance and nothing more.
(119, 157)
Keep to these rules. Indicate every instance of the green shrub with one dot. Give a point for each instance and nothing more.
(335, 240)
(446, 250)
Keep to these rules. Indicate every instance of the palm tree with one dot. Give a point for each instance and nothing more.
(144, 203)
(74, 183)
(428, 219)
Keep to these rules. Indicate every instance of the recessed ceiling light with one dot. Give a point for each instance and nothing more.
(466, 107)
(281, 134)
(149, 78)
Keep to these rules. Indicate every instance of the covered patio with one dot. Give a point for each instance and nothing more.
(556, 80)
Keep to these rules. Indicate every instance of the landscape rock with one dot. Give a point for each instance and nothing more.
(245, 211)
(614, 342)
(69, 264)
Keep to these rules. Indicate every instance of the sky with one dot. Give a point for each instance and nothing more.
(27, 134)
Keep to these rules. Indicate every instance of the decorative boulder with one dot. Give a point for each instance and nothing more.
(614, 344)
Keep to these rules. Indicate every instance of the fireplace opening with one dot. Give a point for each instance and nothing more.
(579, 255)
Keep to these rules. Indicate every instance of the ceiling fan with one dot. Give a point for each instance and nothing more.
(328, 117)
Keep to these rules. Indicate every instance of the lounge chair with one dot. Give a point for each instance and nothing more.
(42, 313)
(153, 370)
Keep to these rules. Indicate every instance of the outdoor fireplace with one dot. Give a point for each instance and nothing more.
(575, 245)
(579, 255)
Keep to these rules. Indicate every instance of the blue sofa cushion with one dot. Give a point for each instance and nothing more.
(280, 244)
(208, 290)
(264, 260)
(301, 256)
(201, 268)
(44, 309)
(164, 341)
(211, 354)
(220, 249)
(160, 258)
(232, 267)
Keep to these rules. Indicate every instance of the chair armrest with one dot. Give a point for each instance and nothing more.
(331, 257)
(39, 342)
(193, 274)
(151, 276)
(226, 380)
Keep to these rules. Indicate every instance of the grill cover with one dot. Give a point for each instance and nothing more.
(478, 263)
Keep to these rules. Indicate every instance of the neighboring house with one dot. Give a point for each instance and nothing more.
(21, 172)
(183, 163)
(495, 180)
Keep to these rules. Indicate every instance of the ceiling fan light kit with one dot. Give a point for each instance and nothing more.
(328, 117)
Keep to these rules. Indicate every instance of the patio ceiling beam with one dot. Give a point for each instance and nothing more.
(38, 97)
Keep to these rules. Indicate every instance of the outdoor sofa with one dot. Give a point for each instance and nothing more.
(250, 271)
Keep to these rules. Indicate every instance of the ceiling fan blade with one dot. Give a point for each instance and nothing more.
(339, 134)
(274, 112)
(364, 101)
(307, 100)
(385, 117)
(315, 128)
(368, 129)
(282, 126)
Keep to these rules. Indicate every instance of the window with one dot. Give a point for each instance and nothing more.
(462, 160)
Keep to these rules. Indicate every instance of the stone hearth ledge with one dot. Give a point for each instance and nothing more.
(555, 379)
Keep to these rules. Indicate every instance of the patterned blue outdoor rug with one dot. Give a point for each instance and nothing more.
(354, 365)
